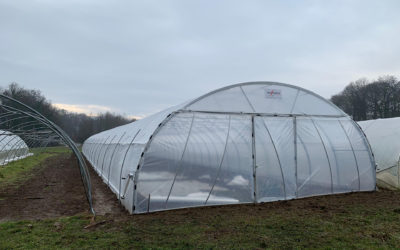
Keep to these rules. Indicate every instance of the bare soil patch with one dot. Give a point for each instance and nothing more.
(355, 220)
(55, 190)
(328, 205)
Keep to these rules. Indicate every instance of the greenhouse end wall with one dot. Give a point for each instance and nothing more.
(207, 153)
(384, 137)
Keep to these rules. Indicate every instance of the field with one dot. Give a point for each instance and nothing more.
(42, 205)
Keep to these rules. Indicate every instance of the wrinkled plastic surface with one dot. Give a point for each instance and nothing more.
(242, 144)
(383, 136)
(270, 98)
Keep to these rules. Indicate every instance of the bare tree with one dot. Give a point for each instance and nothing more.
(78, 126)
(365, 100)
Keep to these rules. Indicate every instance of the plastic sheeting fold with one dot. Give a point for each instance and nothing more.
(254, 142)
(383, 135)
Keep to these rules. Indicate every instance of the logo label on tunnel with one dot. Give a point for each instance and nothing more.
(273, 93)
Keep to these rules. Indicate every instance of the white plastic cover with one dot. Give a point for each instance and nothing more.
(384, 137)
(252, 142)
(269, 98)
(12, 147)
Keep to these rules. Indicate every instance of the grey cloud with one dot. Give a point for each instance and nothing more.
(138, 57)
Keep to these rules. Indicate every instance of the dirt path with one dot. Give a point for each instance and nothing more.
(56, 190)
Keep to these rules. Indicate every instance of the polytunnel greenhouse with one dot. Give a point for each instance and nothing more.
(384, 137)
(12, 147)
(245, 143)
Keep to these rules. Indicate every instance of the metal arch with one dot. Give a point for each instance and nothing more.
(10, 150)
(101, 145)
(41, 121)
(104, 156)
(254, 158)
(37, 120)
(183, 107)
(22, 127)
(99, 142)
(326, 152)
(95, 148)
(112, 157)
(178, 169)
(220, 163)
(164, 121)
(335, 156)
(267, 83)
(354, 154)
(257, 114)
(295, 153)
(123, 163)
(17, 146)
(30, 113)
(371, 153)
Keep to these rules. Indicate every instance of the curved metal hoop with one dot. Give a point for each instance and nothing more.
(22, 127)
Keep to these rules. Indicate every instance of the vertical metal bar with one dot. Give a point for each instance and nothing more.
(148, 203)
(398, 174)
(295, 152)
(130, 177)
(254, 156)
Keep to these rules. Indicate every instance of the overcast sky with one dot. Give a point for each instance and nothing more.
(139, 57)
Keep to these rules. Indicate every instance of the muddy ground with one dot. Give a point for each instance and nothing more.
(56, 190)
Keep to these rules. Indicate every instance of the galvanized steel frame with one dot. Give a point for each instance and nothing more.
(23, 111)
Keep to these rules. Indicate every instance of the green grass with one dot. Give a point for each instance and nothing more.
(356, 227)
(16, 172)
(364, 220)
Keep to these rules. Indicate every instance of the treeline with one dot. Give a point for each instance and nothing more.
(365, 100)
(78, 126)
